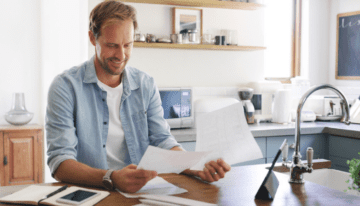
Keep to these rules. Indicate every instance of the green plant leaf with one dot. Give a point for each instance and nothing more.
(354, 170)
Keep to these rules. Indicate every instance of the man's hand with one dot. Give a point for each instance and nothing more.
(129, 179)
(212, 172)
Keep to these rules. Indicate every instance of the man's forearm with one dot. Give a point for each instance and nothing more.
(75, 172)
(72, 171)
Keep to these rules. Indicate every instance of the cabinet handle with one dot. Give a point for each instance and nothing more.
(5, 160)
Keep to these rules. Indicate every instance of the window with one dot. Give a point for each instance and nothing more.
(282, 39)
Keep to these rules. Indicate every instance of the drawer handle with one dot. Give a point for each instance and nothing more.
(5, 160)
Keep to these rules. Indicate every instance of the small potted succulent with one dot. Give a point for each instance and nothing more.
(354, 169)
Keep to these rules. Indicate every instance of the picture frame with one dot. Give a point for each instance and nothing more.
(347, 49)
(187, 18)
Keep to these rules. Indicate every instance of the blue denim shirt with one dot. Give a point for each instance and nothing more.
(77, 117)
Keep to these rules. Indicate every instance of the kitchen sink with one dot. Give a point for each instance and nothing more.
(330, 178)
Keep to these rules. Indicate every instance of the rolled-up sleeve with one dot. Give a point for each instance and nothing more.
(60, 129)
(159, 129)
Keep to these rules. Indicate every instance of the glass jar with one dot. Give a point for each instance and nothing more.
(18, 115)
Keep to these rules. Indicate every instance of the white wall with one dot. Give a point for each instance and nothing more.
(20, 55)
(173, 67)
(39, 39)
(338, 7)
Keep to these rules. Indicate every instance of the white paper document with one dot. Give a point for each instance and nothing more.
(147, 202)
(175, 200)
(156, 186)
(226, 133)
(169, 161)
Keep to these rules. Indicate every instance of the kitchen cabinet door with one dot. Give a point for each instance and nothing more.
(2, 171)
(318, 142)
(22, 157)
(273, 144)
(342, 149)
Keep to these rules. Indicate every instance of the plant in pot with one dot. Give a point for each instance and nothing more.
(354, 169)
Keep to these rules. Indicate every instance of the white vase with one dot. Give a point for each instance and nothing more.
(18, 115)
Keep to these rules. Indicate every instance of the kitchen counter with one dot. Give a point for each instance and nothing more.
(245, 181)
(275, 130)
(239, 187)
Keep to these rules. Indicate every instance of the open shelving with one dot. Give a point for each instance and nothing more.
(200, 3)
(197, 46)
(203, 3)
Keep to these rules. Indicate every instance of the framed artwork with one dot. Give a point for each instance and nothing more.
(187, 19)
(347, 46)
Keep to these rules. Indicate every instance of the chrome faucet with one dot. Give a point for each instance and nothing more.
(297, 168)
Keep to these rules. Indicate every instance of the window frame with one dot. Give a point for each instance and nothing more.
(296, 44)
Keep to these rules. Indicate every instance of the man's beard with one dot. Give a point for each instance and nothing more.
(105, 65)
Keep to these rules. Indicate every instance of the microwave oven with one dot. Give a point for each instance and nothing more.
(177, 104)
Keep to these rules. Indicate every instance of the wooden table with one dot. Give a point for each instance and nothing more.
(238, 188)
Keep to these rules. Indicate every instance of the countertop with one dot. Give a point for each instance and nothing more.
(239, 187)
(274, 129)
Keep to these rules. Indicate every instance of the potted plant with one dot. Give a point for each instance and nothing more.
(354, 169)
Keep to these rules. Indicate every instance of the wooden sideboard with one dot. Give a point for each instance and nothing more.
(21, 153)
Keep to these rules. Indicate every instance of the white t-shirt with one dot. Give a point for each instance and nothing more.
(116, 148)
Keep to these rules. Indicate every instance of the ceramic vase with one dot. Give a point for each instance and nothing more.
(18, 115)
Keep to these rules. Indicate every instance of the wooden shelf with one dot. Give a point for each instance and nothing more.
(200, 3)
(203, 3)
(197, 46)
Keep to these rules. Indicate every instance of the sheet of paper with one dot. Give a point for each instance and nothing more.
(227, 134)
(157, 203)
(176, 200)
(169, 161)
(156, 186)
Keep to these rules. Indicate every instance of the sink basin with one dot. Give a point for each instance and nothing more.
(330, 178)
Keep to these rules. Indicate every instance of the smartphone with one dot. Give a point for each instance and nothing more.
(77, 197)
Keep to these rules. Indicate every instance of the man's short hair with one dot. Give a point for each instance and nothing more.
(110, 10)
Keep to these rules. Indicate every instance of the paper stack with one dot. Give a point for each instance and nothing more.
(163, 200)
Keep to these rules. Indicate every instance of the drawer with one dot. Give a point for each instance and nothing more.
(317, 142)
(261, 141)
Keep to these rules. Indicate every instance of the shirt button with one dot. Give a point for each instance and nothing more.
(103, 146)
(105, 123)
(103, 100)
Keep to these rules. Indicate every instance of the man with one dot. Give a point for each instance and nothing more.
(102, 115)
